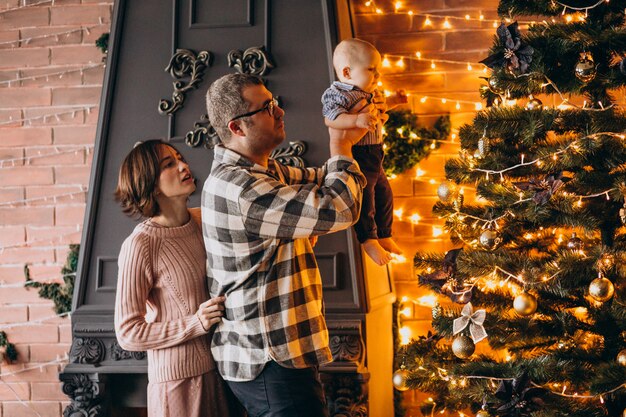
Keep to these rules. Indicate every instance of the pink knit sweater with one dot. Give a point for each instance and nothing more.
(161, 283)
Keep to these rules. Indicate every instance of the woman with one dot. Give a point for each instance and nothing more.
(162, 303)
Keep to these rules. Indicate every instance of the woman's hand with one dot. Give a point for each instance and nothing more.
(211, 311)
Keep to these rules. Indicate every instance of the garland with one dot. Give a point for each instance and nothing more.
(7, 349)
(407, 143)
(60, 294)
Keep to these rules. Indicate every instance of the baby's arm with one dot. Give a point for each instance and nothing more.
(339, 113)
(365, 120)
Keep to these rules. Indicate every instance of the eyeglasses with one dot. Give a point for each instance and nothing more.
(270, 107)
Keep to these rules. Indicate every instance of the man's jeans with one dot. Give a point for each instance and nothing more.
(282, 392)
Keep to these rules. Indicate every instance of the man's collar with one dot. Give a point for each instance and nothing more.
(230, 157)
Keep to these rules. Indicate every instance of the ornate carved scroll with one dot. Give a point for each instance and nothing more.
(346, 394)
(254, 60)
(202, 134)
(291, 155)
(184, 63)
(118, 354)
(87, 350)
(86, 396)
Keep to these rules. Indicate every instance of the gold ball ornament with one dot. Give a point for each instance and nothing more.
(525, 304)
(463, 346)
(489, 239)
(534, 104)
(621, 357)
(447, 191)
(585, 68)
(601, 289)
(483, 413)
(400, 378)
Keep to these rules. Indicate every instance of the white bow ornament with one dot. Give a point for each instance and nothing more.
(475, 321)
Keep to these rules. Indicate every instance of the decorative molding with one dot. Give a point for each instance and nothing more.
(254, 60)
(202, 134)
(86, 396)
(346, 394)
(291, 155)
(184, 63)
(347, 348)
(118, 354)
(87, 350)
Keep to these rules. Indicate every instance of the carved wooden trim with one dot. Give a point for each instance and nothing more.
(118, 354)
(87, 350)
(346, 394)
(85, 394)
(291, 155)
(255, 60)
(184, 63)
(202, 134)
(346, 343)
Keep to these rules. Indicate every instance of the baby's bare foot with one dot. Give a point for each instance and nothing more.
(390, 245)
(376, 252)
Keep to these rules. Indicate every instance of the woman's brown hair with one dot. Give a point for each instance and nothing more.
(138, 177)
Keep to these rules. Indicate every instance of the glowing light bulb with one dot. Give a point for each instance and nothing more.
(467, 17)
(418, 55)
(419, 172)
(444, 101)
(458, 106)
(437, 231)
(386, 63)
(478, 106)
(427, 22)
(423, 99)
(569, 18)
(378, 11)
(446, 24)
(400, 63)
(481, 17)
(469, 66)
(380, 83)
(398, 5)
(432, 64)
(398, 213)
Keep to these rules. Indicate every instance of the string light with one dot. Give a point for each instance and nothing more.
(54, 198)
(26, 5)
(59, 74)
(49, 35)
(58, 239)
(34, 322)
(39, 156)
(45, 117)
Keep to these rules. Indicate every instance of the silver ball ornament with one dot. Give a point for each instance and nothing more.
(525, 304)
(400, 378)
(447, 191)
(575, 243)
(621, 357)
(493, 86)
(534, 104)
(463, 346)
(585, 69)
(601, 289)
(489, 239)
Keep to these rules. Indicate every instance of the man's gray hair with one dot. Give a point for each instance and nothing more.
(224, 101)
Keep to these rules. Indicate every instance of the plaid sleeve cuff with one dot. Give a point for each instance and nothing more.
(349, 165)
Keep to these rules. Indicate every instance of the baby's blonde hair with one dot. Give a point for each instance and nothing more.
(350, 52)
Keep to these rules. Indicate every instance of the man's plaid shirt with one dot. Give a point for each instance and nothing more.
(256, 222)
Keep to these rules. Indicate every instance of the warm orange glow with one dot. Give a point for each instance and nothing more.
(415, 218)
(437, 231)
(398, 213)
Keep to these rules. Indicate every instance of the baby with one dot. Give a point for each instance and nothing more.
(354, 103)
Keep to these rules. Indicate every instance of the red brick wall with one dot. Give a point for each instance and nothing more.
(468, 41)
(46, 138)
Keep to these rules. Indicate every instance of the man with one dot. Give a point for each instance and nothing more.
(258, 218)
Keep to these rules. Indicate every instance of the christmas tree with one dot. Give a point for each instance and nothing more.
(539, 269)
